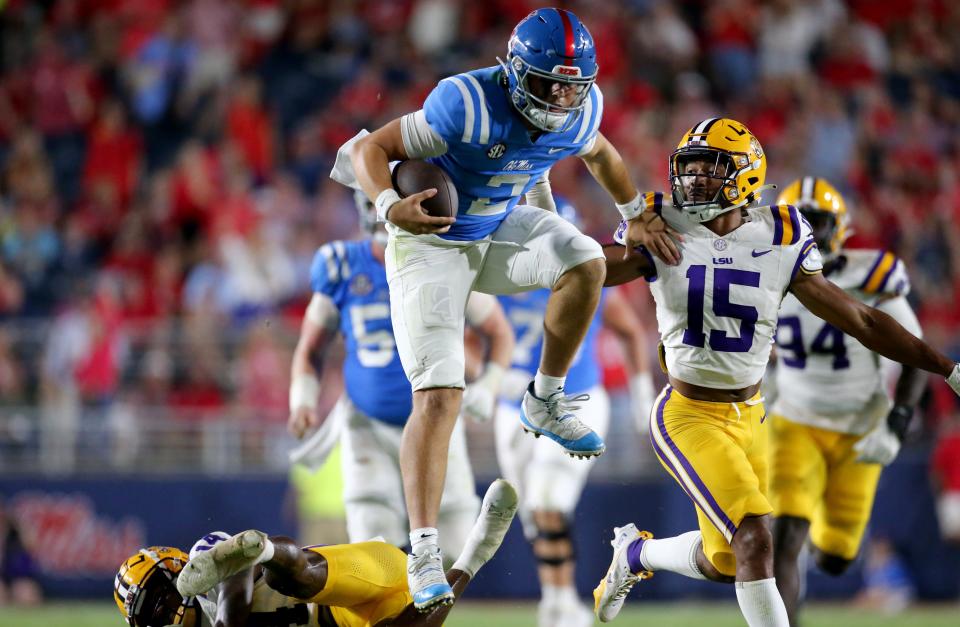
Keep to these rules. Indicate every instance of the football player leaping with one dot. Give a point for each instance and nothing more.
(549, 482)
(350, 295)
(348, 585)
(833, 425)
(496, 131)
(717, 312)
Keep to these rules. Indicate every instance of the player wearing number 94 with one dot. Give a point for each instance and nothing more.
(833, 425)
(717, 311)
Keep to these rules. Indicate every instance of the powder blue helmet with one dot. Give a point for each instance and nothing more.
(550, 46)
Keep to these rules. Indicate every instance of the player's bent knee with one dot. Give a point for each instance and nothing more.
(753, 541)
(437, 401)
(831, 564)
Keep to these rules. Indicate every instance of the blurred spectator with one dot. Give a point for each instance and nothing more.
(18, 569)
(887, 586)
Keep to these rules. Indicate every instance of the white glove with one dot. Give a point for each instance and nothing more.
(880, 445)
(304, 394)
(642, 396)
(480, 397)
(954, 380)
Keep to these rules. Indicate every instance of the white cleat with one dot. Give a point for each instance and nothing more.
(225, 559)
(427, 580)
(496, 513)
(609, 596)
(554, 417)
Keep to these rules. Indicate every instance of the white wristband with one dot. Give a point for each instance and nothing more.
(492, 376)
(954, 379)
(304, 391)
(384, 201)
(632, 209)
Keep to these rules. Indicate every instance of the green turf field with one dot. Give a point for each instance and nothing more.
(517, 615)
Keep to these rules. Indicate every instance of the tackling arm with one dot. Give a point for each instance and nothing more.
(874, 329)
(643, 227)
(621, 269)
(912, 382)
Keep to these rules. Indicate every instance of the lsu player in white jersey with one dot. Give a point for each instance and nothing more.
(252, 580)
(717, 311)
(833, 424)
(351, 299)
(496, 132)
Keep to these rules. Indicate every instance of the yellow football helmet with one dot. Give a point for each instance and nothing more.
(145, 588)
(823, 207)
(732, 156)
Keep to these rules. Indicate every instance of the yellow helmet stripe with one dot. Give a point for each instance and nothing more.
(880, 272)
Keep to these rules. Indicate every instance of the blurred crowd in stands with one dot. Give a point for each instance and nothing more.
(163, 163)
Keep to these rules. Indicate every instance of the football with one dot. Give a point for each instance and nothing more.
(415, 175)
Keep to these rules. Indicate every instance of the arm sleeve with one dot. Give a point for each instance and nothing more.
(541, 195)
(899, 309)
(419, 139)
(479, 307)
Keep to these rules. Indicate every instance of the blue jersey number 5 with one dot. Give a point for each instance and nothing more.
(723, 278)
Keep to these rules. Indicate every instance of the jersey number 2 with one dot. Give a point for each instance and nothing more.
(723, 278)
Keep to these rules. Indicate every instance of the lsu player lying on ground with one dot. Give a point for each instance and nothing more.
(549, 482)
(350, 295)
(833, 425)
(496, 131)
(254, 580)
(717, 311)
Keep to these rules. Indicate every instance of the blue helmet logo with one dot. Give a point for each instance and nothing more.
(549, 54)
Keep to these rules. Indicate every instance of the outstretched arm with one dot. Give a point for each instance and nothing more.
(874, 329)
(643, 227)
(621, 269)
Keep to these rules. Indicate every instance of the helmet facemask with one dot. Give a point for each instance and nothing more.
(534, 88)
(824, 226)
(704, 192)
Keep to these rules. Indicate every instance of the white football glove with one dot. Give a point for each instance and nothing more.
(480, 397)
(954, 380)
(642, 396)
(880, 445)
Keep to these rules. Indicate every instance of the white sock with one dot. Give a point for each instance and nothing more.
(677, 554)
(544, 385)
(423, 539)
(761, 604)
(549, 593)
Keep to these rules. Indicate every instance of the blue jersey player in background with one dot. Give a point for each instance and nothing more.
(496, 131)
(350, 296)
(549, 483)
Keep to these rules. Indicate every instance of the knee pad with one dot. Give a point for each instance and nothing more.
(564, 533)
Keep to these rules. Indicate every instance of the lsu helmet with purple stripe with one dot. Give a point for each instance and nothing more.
(823, 207)
(716, 153)
(550, 48)
(145, 588)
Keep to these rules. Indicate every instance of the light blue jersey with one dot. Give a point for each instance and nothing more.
(525, 312)
(490, 155)
(348, 273)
